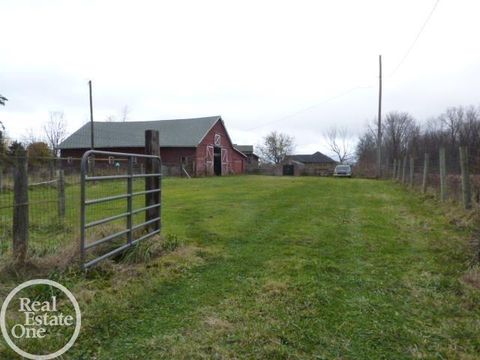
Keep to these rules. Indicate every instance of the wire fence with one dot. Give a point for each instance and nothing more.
(448, 176)
(46, 226)
(54, 192)
(54, 199)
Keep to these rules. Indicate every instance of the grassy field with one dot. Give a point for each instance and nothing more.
(279, 267)
(47, 231)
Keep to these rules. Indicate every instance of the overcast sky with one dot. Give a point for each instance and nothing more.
(262, 65)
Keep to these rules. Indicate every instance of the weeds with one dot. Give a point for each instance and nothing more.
(171, 242)
(298, 268)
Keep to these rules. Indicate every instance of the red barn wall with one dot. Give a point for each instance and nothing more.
(234, 162)
(195, 159)
(169, 155)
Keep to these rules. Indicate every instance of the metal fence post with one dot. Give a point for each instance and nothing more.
(84, 169)
(130, 201)
(443, 175)
(130, 230)
(466, 188)
(20, 209)
(152, 166)
(404, 170)
(425, 173)
(61, 193)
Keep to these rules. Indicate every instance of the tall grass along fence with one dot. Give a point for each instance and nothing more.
(447, 176)
(38, 198)
(40, 201)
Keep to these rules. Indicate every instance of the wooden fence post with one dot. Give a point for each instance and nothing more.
(61, 193)
(394, 169)
(404, 169)
(20, 208)
(152, 166)
(466, 188)
(443, 174)
(425, 173)
(51, 167)
(412, 171)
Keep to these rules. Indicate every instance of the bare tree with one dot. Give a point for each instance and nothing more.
(470, 128)
(276, 146)
(2, 135)
(402, 136)
(2, 128)
(31, 137)
(123, 115)
(366, 148)
(55, 130)
(451, 121)
(398, 129)
(338, 141)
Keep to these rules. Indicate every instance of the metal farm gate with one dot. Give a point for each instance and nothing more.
(150, 171)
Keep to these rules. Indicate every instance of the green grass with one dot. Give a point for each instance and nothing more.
(279, 267)
(47, 231)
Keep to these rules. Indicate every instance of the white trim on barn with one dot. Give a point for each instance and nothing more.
(209, 160)
(225, 162)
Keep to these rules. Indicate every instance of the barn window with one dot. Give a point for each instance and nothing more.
(217, 140)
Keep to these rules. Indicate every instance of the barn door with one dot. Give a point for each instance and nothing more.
(225, 162)
(209, 160)
(288, 170)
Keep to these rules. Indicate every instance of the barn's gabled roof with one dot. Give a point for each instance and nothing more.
(316, 158)
(246, 149)
(173, 133)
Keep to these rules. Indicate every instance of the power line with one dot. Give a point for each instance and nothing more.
(358, 87)
(342, 94)
(379, 129)
(416, 39)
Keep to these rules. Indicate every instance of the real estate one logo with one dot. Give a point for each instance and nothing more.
(33, 320)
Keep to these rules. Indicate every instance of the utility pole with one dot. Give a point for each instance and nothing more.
(379, 128)
(92, 145)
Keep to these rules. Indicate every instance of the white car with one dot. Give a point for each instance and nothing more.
(343, 171)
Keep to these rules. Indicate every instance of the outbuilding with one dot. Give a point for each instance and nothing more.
(198, 146)
(252, 158)
(314, 164)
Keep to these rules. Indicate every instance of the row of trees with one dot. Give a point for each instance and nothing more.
(402, 136)
(3, 99)
(44, 145)
(54, 131)
(276, 146)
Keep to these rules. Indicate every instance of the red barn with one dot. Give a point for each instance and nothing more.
(201, 146)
